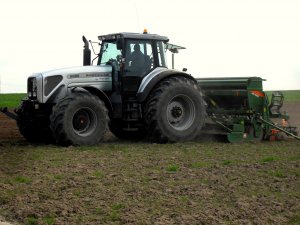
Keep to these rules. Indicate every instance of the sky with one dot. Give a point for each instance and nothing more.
(223, 38)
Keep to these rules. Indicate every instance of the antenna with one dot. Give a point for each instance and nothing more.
(137, 16)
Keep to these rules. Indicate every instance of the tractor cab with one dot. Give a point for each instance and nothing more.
(132, 57)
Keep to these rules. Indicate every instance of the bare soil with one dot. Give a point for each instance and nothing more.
(142, 183)
(293, 110)
(9, 131)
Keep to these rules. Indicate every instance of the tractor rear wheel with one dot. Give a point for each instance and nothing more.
(175, 111)
(79, 119)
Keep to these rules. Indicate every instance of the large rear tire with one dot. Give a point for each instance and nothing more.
(79, 119)
(175, 111)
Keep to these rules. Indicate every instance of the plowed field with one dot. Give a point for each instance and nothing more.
(141, 183)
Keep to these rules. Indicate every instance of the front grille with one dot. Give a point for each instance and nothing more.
(51, 83)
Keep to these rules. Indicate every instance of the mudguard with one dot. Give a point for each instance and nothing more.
(154, 77)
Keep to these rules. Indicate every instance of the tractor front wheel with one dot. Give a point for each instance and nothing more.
(79, 119)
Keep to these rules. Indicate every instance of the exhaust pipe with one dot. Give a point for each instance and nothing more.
(86, 52)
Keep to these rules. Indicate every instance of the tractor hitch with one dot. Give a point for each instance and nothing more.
(8, 113)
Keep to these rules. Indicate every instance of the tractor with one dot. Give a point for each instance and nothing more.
(130, 91)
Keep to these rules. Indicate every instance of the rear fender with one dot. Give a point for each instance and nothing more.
(154, 77)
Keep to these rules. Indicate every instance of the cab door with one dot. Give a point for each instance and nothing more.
(138, 63)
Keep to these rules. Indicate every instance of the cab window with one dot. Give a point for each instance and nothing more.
(109, 52)
(138, 57)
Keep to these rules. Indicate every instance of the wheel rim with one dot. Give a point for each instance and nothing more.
(84, 122)
(181, 112)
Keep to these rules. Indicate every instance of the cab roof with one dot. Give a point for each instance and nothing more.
(127, 35)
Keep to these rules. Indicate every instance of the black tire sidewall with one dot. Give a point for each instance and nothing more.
(100, 114)
(162, 120)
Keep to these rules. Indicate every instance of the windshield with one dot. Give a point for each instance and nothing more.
(108, 52)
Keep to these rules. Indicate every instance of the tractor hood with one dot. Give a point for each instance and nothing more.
(79, 72)
(46, 85)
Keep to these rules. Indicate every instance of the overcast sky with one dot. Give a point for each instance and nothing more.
(223, 37)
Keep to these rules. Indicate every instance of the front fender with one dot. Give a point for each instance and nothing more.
(62, 92)
(101, 95)
(154, 77)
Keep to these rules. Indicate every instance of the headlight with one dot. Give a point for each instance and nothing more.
(32, 88)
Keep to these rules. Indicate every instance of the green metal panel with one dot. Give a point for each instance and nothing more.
(234, 137)
(255, 83)
(256, 100)
(230, 83)
(241, 94)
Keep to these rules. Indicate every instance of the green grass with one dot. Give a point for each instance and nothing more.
(22, 180)
(197, 165)
(49, 220)
(98, 174)
(268, 159)
(289, 96)
(31, 220)
(277, 173)
(173, 168)
(295, 220)
(226, 162)
(11, 100)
